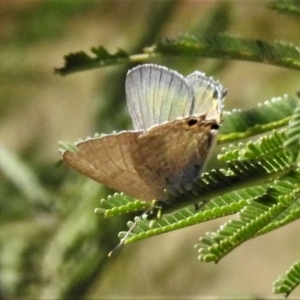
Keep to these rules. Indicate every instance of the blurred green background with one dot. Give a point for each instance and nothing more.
(52, 245)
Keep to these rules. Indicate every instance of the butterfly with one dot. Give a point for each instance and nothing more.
(175, 124)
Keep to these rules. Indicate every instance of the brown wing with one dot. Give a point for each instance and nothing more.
(172, 155)
(108, 161)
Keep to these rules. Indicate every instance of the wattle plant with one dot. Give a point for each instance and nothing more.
(260, 179)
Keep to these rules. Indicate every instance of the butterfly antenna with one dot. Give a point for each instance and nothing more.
(136, 221)
(122, 241)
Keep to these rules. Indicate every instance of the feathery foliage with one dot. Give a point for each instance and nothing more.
(286, 6)
(219, 46)
(287, 283)
(257, 181)
(260, 180)
(261, 183)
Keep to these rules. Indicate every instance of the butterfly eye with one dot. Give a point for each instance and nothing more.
(215, 126)
(192, 122)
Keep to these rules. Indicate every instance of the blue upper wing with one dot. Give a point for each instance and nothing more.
(209, 95)
(156, 94)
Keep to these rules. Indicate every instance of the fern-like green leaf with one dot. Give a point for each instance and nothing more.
(217, 46)
(80, 61)
(253, 217)
(288, 191)
(119, 204)
(266, 145)
(286, 6)
(266, 213)
(270, 115)
(293, 134)
(220, 206)
(287, 283)
(227, 46)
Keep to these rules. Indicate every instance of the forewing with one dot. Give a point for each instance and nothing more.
(208, 94)
(156, 94)
(108, 161)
